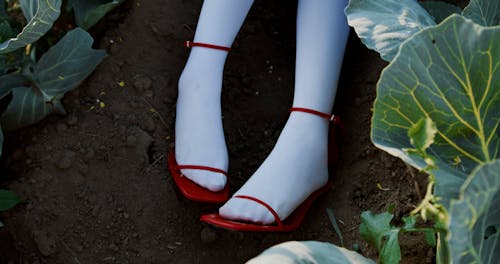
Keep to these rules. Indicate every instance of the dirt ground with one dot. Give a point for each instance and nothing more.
(95, 184)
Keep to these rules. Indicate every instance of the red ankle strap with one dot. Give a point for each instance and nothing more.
(311, 111)
(197, 167)
(190, 44)
(269, 208)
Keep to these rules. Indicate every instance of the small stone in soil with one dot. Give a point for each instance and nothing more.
(148, 124)
(113, 247)
(46, 243)
(66, 160)
(149, 93)
(95, 211)
(357, 101)
(61, 128)
(131, 141)
(72, 120)
(78, 179)
(142, 83)
(90, 154)
(208, 235)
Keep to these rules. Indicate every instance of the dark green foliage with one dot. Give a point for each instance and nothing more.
(33, 84)
(89, 12)
(7, 199)
(440, 10)
(40, 18)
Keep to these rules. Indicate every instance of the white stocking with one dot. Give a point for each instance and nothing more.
(199, 137)
(297, 165)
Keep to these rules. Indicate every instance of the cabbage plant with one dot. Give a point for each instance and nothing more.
(32, 85)
(438, 109)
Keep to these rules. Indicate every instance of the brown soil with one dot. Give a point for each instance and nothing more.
(95, 184)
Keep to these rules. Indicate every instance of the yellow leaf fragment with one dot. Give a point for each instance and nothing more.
(102, 104)
(379, 186)
(121, 83)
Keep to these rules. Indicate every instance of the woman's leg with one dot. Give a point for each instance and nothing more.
(297, 165)
(199, 137)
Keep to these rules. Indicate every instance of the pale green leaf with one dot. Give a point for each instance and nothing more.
(440, 10)
(383, 25)
(7, 199)
(66, 64)
(336, 227)
(422, 134)
(442, 252)
(89, 12)
(483, 12)
(391, 252)
(47, 12)
(301, 252)
(430, 238)
(450, 74)
(409, 221)
(377, 230)
(374, 227)
(474, 230)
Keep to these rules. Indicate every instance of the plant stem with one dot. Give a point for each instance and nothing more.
(418, 229)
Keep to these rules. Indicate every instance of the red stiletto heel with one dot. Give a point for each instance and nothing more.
(294, 220)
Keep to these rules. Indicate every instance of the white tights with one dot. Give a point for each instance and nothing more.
(297, 165)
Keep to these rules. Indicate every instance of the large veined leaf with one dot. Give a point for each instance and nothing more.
(440, 10)
(7, 199)
(89, 12)
(474, 230)
(383, 25)
(47, 12)
(7, 82)
(58, 71)
(27, 107)
(450, 74)
(66, 64)
(29, 8)
(483, 12)
(297, 252)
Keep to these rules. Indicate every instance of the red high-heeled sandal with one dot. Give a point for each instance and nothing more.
(294, 220)
(188, 188)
